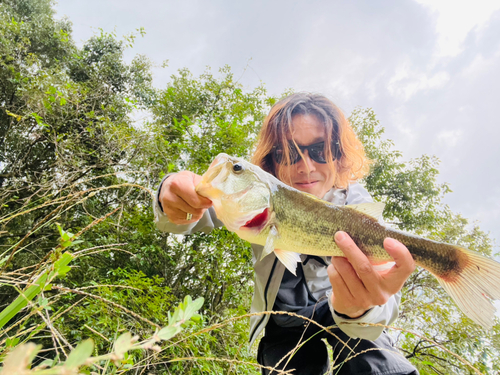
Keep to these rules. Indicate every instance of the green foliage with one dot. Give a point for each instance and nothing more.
(198, 118)
(72, 154)
(59, 268)
(409, 189)
(148, 297)
(20, 359)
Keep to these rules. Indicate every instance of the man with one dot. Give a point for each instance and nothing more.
(307, 143)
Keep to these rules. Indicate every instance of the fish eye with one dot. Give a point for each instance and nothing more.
(238, 168)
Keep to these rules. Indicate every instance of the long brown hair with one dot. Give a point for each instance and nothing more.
(352, 164)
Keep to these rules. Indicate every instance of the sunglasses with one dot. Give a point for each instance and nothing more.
(316, 152)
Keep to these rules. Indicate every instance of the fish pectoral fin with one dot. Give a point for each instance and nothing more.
(289, 259)
(373, 209)
(269, 246)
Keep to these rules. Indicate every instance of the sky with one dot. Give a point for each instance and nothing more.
(430, 69)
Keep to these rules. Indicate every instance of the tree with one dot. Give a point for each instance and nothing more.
(73, 154)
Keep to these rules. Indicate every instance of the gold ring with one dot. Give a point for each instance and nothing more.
(188, 216)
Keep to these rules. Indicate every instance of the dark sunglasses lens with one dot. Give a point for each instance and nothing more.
(294, 154)
(279, 154)
(317, 153)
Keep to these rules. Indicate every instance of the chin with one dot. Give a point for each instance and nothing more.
(312, 191)
(317, 194)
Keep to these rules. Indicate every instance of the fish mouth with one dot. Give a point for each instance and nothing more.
(205, 187)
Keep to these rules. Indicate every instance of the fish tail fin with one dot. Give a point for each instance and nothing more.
(475, 286)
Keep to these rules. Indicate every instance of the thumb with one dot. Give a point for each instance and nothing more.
(203, 201)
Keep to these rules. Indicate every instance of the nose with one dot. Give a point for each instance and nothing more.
(306, 164)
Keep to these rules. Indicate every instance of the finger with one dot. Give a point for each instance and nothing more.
(184, 186)
(358, 260)
(177, 210)
(179, 198)
(171, 198)
(340, 289)
(350, 278)
(342, 300)
(172, 203)
(404, 266)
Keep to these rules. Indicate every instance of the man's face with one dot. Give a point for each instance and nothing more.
(307, 175)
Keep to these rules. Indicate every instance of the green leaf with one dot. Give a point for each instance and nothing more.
(46, 363)
(59, 228)
(176, 316)
(64, 270)
(196, 318)
(79, 355)
(17, 117)
(11, 341)
(20, 358)
(62, 262)
(427, 363)
(32, 291)
(123, 344)
(168, 332)
(193, 307)
(43, 302)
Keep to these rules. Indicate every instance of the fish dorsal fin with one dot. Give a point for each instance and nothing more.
(373, 209)
(269, 246)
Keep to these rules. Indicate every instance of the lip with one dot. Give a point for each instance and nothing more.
(306, 184)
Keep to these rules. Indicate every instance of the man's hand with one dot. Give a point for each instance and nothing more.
(178, 198)
(357, 286)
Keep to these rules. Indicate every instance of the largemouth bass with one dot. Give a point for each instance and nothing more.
(263, 210)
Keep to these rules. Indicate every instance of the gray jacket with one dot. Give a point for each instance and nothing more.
(269, 272)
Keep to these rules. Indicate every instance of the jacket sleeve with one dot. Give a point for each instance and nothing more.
(208, 221)
(384, 314)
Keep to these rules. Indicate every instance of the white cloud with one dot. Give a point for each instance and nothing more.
(455, 19)
(406, 82)
(450, 138)
(406, 129)
(481, 65)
